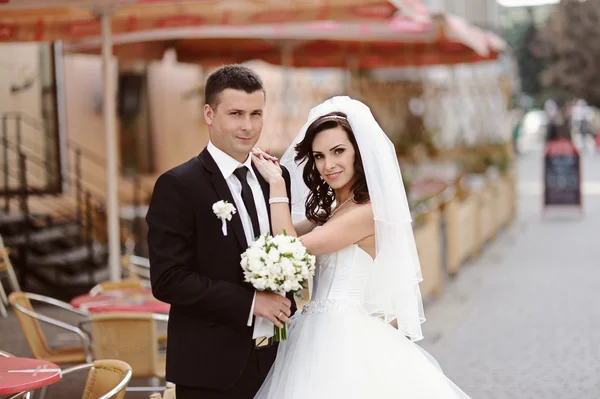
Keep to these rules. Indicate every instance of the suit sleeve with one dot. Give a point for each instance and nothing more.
(171, 241)
(288, 183)
(288, 187)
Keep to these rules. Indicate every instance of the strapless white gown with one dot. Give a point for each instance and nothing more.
(335, 349)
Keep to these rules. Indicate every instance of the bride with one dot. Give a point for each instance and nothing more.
(354, 339)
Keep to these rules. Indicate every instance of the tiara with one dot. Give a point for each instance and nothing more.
(334, 117)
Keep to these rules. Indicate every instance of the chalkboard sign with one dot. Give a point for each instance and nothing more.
(562, 174)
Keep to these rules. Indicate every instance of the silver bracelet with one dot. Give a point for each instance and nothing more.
(279, 200)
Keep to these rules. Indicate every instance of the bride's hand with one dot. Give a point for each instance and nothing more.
(266, 154)
(267, 167)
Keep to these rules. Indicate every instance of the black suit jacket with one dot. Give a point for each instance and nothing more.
(196, 269)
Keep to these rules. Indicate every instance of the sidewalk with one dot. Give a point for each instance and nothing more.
(523, 320)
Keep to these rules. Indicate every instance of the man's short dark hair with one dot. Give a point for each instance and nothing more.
(237, 77)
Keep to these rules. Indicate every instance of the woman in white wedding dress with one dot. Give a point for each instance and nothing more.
(354, 339)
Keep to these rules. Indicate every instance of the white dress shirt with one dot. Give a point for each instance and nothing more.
(227, 165)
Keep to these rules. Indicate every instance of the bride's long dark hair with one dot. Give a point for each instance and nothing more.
(321, 195)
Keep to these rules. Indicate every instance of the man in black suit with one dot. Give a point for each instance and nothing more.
(212, 348)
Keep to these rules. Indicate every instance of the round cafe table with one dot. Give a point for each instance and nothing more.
(121, 300)
(20, 374)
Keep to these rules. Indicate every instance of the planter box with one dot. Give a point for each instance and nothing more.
(462, 231)
(429, 245)
(487, 216)
(504, 202)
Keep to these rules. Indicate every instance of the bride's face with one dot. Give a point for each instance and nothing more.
(334, 157)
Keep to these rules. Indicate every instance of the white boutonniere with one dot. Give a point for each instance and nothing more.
(224, 211)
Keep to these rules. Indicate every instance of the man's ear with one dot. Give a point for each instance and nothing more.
(209, 114)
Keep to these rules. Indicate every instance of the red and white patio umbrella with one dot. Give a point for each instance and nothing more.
(396, 41)
(75, 20)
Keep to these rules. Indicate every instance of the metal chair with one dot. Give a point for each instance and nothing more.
(133, 281)
(131, 337)
(116, 285)
(137, 267)
(29, 320)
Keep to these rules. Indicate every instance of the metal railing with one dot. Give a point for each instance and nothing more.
(88, 188)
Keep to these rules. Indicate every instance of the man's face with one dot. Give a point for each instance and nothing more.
(236, 122)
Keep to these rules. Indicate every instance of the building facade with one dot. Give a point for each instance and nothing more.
(483, 13)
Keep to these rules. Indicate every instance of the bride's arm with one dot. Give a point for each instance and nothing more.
(281, 218)
(344, 230)
(336, 234)
(303, 227)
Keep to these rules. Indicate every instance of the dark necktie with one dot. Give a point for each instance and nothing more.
(241, 174)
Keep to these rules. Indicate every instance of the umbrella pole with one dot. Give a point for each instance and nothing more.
(114, 242)
(352, 68)
(287, 62)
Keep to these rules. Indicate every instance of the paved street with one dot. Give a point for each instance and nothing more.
(523, 320)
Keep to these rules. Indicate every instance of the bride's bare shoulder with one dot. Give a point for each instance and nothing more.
(364, 212)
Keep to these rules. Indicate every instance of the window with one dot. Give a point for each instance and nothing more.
(134, 121)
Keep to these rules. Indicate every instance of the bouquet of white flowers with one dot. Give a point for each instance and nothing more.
(278, 264)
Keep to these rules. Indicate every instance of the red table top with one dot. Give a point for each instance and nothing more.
(19, 374)
(126, 300)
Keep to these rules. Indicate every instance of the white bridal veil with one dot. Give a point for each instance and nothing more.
(392, 290)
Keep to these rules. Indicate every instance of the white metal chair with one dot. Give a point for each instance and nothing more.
(137, 267)
(29, 320)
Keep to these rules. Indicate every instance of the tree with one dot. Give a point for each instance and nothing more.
(570, 45)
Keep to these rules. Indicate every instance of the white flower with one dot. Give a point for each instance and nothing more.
(255, 253)
(273, 255)
(299, 252)
(259, 243)
(287, 268)
(280, 239)
(287, 285)
(284, 268)
(223, 209)
(260, 284)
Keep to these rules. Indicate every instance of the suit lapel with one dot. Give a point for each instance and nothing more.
(266, 193)
(223, 192)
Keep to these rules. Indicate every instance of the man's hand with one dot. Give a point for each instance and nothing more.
(273, 307)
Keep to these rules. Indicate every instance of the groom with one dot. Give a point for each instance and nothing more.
(213, 348)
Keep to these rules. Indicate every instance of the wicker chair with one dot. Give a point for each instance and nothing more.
(130, 337)
(29, 321)
(130, 283)
(116, 285)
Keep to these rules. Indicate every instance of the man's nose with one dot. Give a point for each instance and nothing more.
(246, 123)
